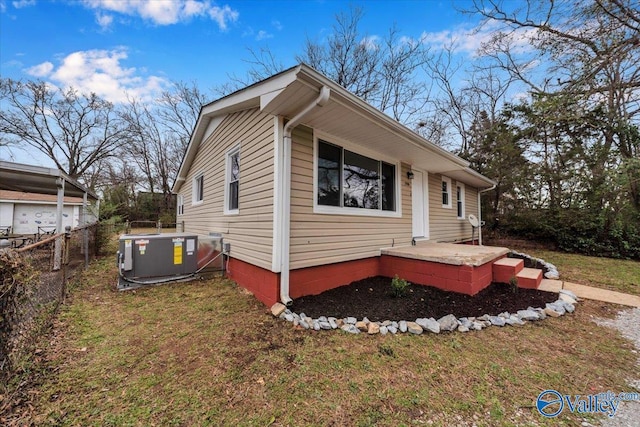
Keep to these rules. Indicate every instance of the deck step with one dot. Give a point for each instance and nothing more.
(506, 268)
(529, 278)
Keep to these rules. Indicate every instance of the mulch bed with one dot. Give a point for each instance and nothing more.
(372, 298)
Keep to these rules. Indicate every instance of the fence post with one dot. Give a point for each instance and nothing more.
(159, 225)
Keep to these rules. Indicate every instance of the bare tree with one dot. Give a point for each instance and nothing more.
(178, 110)
(72, 129)
(382, 71)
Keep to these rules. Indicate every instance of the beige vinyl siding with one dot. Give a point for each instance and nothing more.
(318, 239)
(444, 225)
(250, 232)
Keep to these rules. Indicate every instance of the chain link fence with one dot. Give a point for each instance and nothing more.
(34, 280)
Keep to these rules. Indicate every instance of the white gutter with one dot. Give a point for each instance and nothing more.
(480, 212)
(285, 194)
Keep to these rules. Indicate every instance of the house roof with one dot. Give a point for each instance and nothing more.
(344, 116)
(41, 180)
(19, 196)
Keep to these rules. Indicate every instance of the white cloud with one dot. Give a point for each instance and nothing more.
(277, 25)
(104, 20)
(101, 72)
(23, 3)
(263, 35)
(223, 15)
(3, 6)
(40, 70)
(166, 12)
(471, 40)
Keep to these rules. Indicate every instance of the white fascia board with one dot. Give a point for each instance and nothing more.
(249, 97)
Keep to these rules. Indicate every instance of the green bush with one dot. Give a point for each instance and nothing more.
(399, 287)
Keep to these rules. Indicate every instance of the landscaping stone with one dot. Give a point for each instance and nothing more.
(348, 327)
(477, 325)
(325, 325)
(361, 325)
(567, 306)
(304, 323)
(316, 325)
(556, 307)
(463, 328)
(551, 312)
(448, 323)
(288, 317)
(277, 309)
(528, 315)
(514, 321)
(402, 326)
(383, 330)
(431, 325)
(567, 298)
(373, 328)
(350, 320)
(365, 320)
(392, 329)
(497, 321)
(568, 293)
(333, 322)
(414, 328)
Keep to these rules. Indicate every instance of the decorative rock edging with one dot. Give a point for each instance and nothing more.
(565, 304)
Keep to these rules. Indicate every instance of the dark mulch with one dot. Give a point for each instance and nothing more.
(372, 298)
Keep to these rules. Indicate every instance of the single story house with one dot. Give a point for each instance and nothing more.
(308, 184)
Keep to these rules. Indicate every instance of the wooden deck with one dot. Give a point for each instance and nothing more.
(448, 253)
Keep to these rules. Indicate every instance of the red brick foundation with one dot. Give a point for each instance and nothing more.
(465, 279)
(265, 284)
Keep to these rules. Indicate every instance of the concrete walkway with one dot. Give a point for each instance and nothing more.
(588, 292)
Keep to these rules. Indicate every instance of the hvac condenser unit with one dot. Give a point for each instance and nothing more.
(146, 259)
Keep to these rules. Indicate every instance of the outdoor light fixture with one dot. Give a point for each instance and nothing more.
(410, 174)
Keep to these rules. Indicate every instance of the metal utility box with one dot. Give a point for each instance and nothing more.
(156, 258)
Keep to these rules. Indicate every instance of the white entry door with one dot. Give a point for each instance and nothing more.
(420, 204)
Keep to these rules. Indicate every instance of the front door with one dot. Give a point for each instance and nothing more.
(420, 204)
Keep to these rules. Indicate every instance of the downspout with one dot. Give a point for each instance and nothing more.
(480, 212)
(285, 199)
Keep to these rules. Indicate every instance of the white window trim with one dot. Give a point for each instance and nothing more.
(180, 203)
(337, 210)
(194, 192)
(449, 192)
(227, 180)
(462, 196)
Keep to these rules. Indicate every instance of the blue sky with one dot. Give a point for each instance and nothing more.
(120, 48)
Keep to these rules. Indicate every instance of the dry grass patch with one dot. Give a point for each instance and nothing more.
(205, 353)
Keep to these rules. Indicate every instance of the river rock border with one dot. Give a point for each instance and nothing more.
(449, 323)
(565, 303)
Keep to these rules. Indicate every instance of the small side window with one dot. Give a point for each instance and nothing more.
(446, 192)
(460, 200)
(180, 209)
(232, 182)
(198, 189)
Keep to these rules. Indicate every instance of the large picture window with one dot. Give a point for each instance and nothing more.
(350, 180)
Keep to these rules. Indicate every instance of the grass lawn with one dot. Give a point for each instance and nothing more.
(608, 273)
(207, 353)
